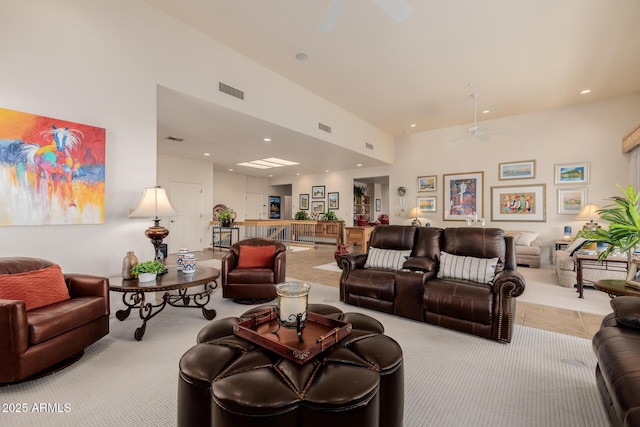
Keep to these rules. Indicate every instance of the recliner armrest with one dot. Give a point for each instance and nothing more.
(351, 262)
(86, 285)
(509, 282)
(420, 264)
(14, 339)
(229, 262)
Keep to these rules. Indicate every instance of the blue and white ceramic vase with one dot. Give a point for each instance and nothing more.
(181, 253)
(189, 264)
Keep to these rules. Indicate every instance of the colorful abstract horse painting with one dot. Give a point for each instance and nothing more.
(51, 171)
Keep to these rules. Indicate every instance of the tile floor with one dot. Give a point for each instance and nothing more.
(300, 265)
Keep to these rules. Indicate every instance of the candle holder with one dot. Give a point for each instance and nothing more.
(293, 299)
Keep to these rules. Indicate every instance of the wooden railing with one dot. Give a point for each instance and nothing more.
(304, 233)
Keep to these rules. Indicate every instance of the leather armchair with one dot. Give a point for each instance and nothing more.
(255, 284)
(40, 340)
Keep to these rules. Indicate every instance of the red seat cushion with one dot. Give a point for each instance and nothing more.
(36, 288)
(256, 256)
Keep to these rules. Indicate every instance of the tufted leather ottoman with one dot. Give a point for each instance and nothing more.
(226, 380)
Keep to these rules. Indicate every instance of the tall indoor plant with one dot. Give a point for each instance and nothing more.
(623, 216)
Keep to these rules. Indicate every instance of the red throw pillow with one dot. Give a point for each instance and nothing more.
(36, 288)
(256, 256)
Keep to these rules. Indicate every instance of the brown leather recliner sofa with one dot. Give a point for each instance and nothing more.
(617, 348)
(36, 340)
(256, 283)
(413, 289)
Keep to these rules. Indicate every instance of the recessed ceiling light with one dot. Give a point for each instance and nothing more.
(413, 125)
(270, 176)
(327, 170)
(269, 163)
(267, 140)
(584, 92)
(230, 170)
(301, 56)
(359, 164)
(206, 154)
(486, 111)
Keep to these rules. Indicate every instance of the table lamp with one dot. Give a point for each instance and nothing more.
(415, 213)
(589, 213)
(154, 204)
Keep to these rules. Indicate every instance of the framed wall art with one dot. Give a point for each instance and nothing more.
(426, 204)
(317, 207)
(462, 196)
(517, 170)
(317, 192)
(573, 173)
(571, 202)
(274, 207)
(427, 183)
(519, 203)
(333, 201)
(378, 205)
(52, 171)
(304, 202)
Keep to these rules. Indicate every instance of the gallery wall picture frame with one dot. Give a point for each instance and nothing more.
(524, 169)
(317, 207)
(274, 207)
(317, 192)
(333, 201)
(573, 173)
(571, 201)
(463, 195)
(427, 183)
(519, 203)
(378, 205)
(304, 202)
(427, 204)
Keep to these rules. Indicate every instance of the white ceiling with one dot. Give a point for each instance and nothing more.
(521, 56)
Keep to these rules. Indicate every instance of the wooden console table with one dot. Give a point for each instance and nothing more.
(359, 236)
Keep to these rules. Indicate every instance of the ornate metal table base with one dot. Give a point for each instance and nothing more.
(148, 310)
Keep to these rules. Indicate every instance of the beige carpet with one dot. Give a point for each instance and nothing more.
(451, 379)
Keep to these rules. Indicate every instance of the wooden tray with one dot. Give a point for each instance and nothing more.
(318, 334)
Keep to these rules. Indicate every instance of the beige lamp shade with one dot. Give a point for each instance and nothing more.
(589, 213)
(414, 212)
(154, 203)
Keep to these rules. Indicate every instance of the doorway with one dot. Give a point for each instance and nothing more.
(185, 230)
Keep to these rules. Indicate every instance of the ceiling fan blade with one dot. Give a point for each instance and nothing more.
(331, 17)
(398, 10)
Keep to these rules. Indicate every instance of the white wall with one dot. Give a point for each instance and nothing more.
(99, 63)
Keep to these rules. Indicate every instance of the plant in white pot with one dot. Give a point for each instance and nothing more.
(623, 217)
(147, 271)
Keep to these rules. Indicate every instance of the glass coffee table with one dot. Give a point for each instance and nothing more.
(616, 288)
(134, 293)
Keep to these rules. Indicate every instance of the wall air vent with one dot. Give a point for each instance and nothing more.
(324, 127)
(173, 138)
(368, 145)
(230, 90)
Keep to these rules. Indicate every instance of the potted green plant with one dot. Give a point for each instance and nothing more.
(623, 216)
(147, 271)
(225, 217)
(330, 216)
(301, 216)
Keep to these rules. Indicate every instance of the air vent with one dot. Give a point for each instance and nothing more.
(324, 127)
(368, 145)
(173, 138)
(230, 90)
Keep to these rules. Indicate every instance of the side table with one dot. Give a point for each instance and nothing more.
(610, 263)
(616, 288)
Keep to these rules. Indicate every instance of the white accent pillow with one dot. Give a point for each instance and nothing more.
(387, 259)
(480, 270)
(526, 237)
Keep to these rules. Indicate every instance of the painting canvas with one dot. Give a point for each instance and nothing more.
(304, 202)
(518, 203)
(573, 173)
(427, 204)
(334, 201)
(517, 170)
(274, 207)
(427, 183)
(52, 171)
(571, 202)
(463, 195)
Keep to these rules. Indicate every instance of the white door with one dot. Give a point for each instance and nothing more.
(254, 206)
(186, 229)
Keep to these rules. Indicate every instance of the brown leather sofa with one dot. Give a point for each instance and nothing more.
(415, 291)
(36, 341)
(617, 348)
(253, 284)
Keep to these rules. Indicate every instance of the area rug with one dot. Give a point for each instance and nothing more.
(451, 379)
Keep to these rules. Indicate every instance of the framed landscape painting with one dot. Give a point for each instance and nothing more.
(334, 200)
(304, 202)
(317, 207)
(573, 173)
(427, 204)
(571, 202)
(462, 196)
(427, 183)
(317, 192)
(518, 203)
(517, 170)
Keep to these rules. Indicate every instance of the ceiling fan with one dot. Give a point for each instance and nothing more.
(398, 10)
(478, 131)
